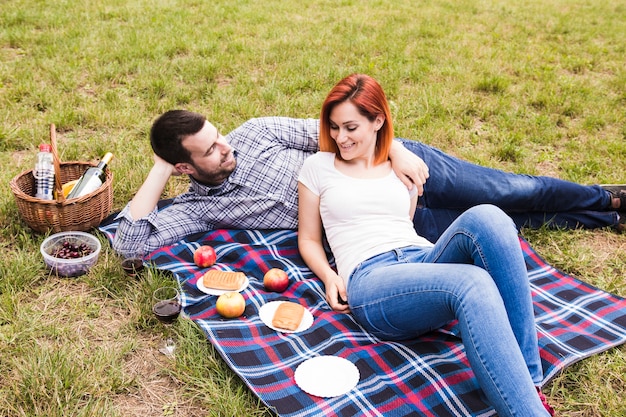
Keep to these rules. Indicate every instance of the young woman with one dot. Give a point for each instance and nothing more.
(399, 285)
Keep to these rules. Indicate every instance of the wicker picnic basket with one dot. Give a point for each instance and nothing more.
(60, 215)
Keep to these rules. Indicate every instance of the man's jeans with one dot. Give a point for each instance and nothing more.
(531, 201)
(476, 274)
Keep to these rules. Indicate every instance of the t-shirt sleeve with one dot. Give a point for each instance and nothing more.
(308, 173)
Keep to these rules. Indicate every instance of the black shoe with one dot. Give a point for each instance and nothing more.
(613, 188)
(617, 191)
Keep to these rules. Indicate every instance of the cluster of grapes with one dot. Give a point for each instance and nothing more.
(69, 250)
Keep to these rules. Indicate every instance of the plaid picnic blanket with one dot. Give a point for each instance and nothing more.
(428, 376)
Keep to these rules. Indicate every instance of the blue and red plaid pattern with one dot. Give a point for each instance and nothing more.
(428, 376)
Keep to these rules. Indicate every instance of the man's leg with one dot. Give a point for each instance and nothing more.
(431, 223)
(458, 184)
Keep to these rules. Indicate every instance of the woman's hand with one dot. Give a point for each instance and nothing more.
(336, 294)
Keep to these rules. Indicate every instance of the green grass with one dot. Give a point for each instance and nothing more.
(536, 87)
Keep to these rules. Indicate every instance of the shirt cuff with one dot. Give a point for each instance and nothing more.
(125, 214)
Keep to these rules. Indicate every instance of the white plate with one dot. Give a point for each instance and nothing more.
(327, 376)
(266, 312)
(213, 291)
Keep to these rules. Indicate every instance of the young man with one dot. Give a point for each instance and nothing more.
(248, 180)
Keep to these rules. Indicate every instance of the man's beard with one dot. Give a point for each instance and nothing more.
(218, 175)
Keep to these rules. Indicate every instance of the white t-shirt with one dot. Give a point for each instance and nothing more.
(362, 217)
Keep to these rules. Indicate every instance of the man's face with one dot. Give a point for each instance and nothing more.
(212, 159)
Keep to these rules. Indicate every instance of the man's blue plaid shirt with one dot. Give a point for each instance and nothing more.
(260, 194)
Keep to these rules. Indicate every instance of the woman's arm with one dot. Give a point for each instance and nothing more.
(310, 232)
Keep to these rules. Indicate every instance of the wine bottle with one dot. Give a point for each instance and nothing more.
(91, 179)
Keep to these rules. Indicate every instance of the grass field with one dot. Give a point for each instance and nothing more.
(537, 87)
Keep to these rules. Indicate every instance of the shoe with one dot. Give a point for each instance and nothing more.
(613, 188)
(622, 200)
(544, 401)
(617, 191)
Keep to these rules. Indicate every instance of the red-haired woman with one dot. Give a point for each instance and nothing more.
(396, 283)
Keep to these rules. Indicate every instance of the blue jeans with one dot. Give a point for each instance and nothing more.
(531, 201)
(475, 274)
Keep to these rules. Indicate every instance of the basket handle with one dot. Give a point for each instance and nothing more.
(57, 164)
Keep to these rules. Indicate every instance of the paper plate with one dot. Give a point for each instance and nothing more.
(213, 291)
(327, 376)
(266, 312)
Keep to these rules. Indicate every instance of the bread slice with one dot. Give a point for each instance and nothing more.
(288, 316)
(223, 280)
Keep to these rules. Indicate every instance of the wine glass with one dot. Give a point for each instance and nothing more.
(132, 266)
(166, 308)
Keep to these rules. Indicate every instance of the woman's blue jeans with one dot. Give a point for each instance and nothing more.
(476, 274)
(531, 201)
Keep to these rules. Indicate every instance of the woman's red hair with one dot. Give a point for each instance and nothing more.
(369, 98)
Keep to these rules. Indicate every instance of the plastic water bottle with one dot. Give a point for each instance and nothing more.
(44, 172)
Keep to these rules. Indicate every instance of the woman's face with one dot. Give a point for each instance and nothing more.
(354, 133)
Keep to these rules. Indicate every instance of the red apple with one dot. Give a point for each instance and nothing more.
(230, 304)
(204, 256)
(276, 280)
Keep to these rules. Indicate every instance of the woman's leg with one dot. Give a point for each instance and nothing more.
(395, 298)
(486, 237)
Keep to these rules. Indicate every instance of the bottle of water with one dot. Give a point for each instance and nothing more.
(44, 172)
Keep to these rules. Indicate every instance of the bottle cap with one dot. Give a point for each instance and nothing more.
(107, 158)
(45, 147)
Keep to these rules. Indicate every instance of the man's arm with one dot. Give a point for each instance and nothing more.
(150, 191)
(301, 134)
(135, 220)
(410, 168)
(304, 134)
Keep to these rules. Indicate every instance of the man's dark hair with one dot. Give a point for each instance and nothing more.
(168, 132)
